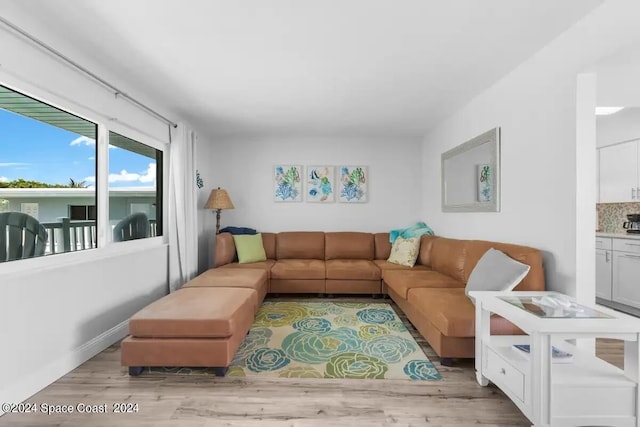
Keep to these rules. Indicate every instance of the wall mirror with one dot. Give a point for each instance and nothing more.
(471, 175)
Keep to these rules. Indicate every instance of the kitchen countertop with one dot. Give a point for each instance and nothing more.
(619, 235)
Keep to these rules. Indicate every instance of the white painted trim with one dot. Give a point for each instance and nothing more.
(28, 266)
(17, 82)
(586, 197)
(27, 387)
(105, 234)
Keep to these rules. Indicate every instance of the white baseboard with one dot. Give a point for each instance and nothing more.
(34, 382)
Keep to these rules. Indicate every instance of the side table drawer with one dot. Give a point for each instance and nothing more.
(505, 375)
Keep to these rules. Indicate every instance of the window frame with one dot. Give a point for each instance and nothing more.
(105, 248)
(160, 185)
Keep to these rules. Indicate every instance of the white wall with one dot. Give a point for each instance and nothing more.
(244, 166)
(55, 318)
(58, 311)
(535, 105)
(619, 127)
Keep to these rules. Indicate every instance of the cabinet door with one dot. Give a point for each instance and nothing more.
(626, 278)
(619, 172)
(603, 274)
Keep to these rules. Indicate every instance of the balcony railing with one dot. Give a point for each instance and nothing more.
(67, 235)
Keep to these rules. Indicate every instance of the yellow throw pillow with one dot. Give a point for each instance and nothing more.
(249, 248)
(405, 251)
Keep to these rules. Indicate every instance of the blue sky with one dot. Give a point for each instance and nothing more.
(37, 151)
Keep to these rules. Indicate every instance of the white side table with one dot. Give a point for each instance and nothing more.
(586, 391)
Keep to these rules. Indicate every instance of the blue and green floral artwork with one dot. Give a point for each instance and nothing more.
(319, 180)
(353, 184)
(330, 340)
(484, 183)
(288, 183)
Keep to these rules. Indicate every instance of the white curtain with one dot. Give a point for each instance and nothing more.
(183, 232)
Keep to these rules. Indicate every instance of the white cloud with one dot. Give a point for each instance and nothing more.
(4, 179)
(124, 176)
(89, 142)
(12, 164)
(148, 176)
(92, 158)
(83, 140)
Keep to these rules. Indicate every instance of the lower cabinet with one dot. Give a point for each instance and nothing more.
(604, 274)
(626, 278)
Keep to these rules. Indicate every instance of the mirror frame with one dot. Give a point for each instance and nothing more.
(490, 137)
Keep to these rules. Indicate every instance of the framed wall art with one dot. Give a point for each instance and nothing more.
(320, 184)
(353, 184)
(287, 183)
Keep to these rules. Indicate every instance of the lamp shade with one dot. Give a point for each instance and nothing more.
(219, 199)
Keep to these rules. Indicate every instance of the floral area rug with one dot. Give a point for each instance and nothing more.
(330, 340)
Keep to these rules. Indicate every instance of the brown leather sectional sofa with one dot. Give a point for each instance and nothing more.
(431, 293)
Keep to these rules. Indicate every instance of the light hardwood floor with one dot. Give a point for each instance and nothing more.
(205, 401)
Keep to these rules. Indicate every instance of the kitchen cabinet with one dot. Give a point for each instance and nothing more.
(604, 267)
(626, 272)
(618, 173)
(604, 273)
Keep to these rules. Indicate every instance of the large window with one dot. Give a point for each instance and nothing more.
(48, 169)
(135, 189)
(46, 157)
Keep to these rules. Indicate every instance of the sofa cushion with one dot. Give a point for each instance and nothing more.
(533, 281)
(348, 245)
(249, 248)
(383, 246)
(300, 245)
(353, 269)
(269, 244)
(194, 313)
(495, 271)
(405, 251)
(448, 256)
(451, 312)
(262, 265)
(385, 266)
(426, 244)
(250, 278)
(298, 269)
(401, 281)
(227, 277)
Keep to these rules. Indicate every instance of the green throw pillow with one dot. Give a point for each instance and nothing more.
(249, 248)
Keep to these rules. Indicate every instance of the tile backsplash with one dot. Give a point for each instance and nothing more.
(612, 215)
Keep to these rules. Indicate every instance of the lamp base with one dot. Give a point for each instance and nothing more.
(218, 221)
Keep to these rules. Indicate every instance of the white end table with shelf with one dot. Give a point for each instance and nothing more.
(586, 391)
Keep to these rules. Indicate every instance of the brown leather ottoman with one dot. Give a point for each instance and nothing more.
(233, 278)
(196, 326)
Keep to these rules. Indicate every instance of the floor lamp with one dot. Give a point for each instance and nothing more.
(218, 200)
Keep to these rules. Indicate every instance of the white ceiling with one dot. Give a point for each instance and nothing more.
(302, 67)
